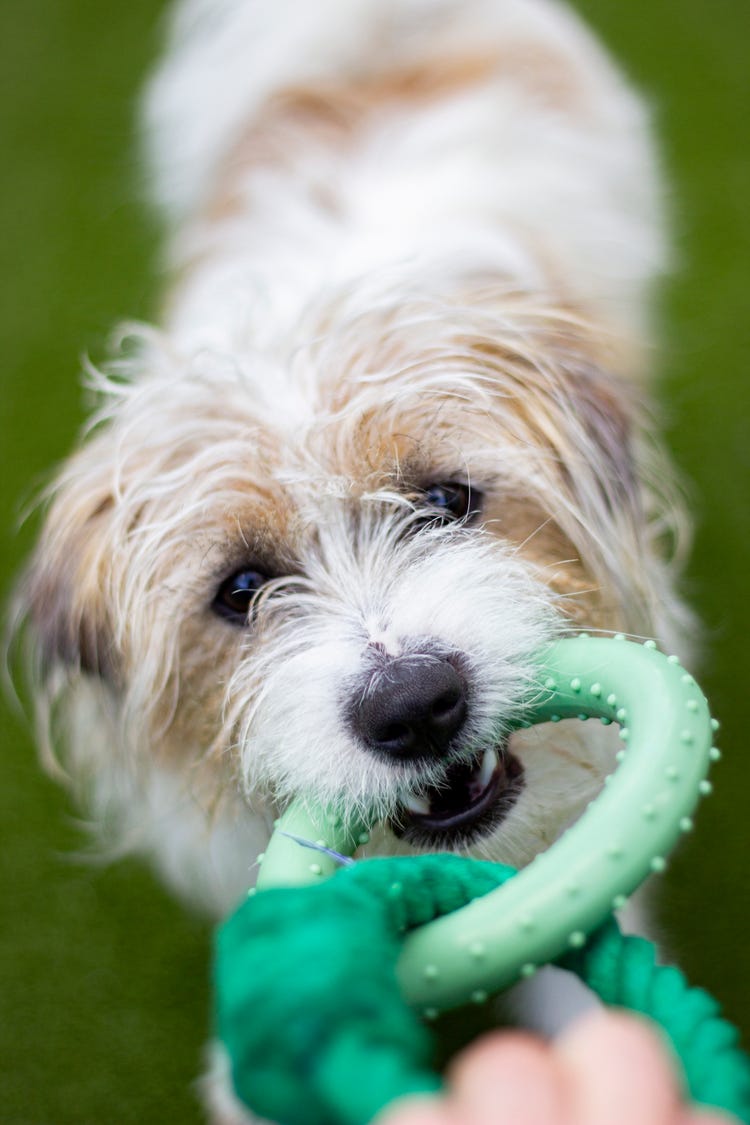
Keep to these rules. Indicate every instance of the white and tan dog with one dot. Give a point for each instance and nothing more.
(388, 440)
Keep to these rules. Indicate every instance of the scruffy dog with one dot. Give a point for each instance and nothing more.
(389, 439)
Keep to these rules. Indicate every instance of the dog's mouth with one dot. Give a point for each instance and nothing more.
(471, 800)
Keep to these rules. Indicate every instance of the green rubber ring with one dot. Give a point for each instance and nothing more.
(566, 892)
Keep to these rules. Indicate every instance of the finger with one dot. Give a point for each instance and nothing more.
(416, 1110)
(619, 1072)
(708, 1117)
(508, 1078)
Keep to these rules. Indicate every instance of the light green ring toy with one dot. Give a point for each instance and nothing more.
(565, 893)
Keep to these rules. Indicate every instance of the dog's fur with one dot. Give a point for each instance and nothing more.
(413, 244)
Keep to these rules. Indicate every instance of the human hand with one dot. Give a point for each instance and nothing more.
(607, 1069)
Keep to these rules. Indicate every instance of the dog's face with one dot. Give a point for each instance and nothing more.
(328, 574)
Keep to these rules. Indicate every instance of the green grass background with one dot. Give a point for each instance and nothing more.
(103, 993)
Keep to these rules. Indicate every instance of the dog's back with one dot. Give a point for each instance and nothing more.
(298, 147)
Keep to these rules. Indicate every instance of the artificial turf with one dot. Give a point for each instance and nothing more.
(103, 995)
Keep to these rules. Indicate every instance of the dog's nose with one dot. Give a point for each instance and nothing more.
(412, 708)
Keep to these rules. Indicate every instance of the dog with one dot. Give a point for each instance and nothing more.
(391, 437)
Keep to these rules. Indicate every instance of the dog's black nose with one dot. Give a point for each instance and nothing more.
(412, 707)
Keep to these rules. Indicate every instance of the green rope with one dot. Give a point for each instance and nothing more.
(622, 971)
(309, 1009)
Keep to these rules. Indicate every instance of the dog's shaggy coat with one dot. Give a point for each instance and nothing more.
(393, 418)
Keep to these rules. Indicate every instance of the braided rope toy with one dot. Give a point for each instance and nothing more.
(322, 977)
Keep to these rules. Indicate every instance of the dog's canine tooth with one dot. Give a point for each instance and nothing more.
(489, 765)
(416, 804)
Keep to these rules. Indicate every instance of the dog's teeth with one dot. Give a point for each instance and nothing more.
(488, 766)
(417, 805)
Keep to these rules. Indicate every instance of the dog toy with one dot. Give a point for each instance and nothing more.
(322, 977)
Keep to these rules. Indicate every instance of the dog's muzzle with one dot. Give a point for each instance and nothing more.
(413, 709)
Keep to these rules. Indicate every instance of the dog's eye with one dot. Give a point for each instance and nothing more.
(235, 595)
(452, 500)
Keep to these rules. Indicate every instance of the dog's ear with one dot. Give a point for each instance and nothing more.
(560, 381)
(603, 424)
(65, 595)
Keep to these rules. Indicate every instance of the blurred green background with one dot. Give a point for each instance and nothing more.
(103, 989)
